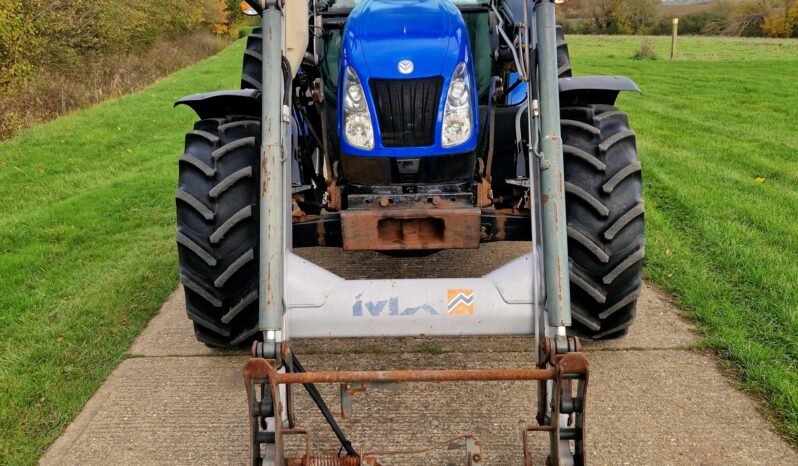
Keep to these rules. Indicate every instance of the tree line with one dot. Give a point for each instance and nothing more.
(60, 55)
(39, 33)
(752, 18)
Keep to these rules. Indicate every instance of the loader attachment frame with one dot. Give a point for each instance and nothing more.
(300, 299)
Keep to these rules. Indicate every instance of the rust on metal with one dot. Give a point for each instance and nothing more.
(564, 365)
(572, 368)
(473, 449)
(330, 460)
(484, 193)
(528, 459)
(574, 363)
(333, 196)
(255, 368)
(408, 201)
(323, 460)
(410, 229)
(321, 234)
(478, 375)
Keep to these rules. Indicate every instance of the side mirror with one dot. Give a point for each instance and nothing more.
(247, 9)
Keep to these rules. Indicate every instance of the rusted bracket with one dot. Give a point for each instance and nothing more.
(349, 390)
(569, 398)
(261, 406)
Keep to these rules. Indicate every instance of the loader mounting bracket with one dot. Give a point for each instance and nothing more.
(563, 368)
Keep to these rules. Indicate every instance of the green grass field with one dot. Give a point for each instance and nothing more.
(87, 250)
(718, 138)
(86, 224)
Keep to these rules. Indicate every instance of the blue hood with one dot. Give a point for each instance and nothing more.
(430, 33)
(388, 31)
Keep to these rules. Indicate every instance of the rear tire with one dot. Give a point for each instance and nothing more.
(563, 57)
(217, 229)
(252, 70)
(604, 207)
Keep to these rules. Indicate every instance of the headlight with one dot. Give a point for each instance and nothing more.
(457, 115)
(357, 118)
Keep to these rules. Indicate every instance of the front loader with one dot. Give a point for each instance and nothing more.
(409, 127)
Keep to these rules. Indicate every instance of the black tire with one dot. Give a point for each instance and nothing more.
(217, 229)
(563, 57)
(252, 71)
(604, 206)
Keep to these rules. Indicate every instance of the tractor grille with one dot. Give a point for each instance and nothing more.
(407, 110)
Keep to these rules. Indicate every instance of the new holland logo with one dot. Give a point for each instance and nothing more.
(405, 66)
(461, 302)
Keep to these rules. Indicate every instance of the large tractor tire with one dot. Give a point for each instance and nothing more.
(604, 207)
(252, 70)
(563, 57)
(217, 229)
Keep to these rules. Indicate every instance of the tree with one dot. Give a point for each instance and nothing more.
(15, 28)
(615, 16)
(782, 20)
(636, 16)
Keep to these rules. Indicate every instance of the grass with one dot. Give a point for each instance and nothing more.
(86, 227)
(87, 250)
(718, 137)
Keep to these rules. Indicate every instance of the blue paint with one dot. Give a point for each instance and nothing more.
(430, 33)
(517, 95)
(378, 308)
(461, 299)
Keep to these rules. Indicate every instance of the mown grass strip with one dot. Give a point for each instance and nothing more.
(87, 250)
(718, 137)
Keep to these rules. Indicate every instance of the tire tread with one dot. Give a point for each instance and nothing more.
(217, 229)
(605, 214)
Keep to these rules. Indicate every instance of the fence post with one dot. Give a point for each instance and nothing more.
(673, 38)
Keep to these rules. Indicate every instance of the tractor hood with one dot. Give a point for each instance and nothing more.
(381, 33)
(404, 52)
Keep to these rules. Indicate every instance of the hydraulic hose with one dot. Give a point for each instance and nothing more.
(324, 409)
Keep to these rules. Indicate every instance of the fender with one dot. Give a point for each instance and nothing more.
(594, 89)
(222, 103)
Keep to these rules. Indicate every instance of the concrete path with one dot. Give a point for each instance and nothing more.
(653, 398)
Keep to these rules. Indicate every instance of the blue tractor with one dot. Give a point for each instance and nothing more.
(408, 127)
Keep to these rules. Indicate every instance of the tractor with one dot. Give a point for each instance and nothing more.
(409, 127)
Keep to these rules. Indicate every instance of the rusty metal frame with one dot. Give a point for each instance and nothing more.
(400, 229)
(564, 370)
(494, 225)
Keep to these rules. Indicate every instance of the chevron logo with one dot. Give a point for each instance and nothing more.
(461, 302)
